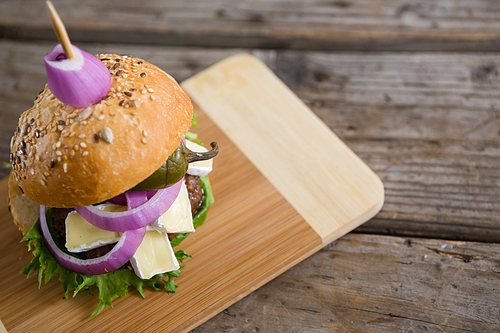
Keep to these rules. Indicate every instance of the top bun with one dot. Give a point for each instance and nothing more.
(64, 156)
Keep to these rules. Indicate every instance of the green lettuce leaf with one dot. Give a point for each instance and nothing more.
(193, 121)
(44, 263)
(191, 136)
(112, 284)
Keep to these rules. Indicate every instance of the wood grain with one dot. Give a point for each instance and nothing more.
(361, 25)
(251, 236)
(371, 283)
(427, 124)
(422, 121)
(329, 186)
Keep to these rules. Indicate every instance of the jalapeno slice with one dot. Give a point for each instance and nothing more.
(175, 167)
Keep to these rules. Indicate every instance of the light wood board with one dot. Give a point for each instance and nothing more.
(253, 233)
(328, 185)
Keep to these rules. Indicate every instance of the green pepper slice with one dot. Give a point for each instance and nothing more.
(175, 167)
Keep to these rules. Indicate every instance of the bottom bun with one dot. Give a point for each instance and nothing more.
(24, 211)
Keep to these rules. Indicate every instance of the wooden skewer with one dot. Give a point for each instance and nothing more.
(60, 30)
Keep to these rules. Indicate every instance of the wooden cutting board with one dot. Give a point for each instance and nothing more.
(284, 187)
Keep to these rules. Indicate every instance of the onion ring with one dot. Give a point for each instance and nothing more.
(135, 218)
(114, 259)
(136, 199)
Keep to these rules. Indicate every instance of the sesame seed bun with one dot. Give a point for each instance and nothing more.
(69, 157)
(23, 209)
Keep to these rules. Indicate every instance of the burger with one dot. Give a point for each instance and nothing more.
(104, 193)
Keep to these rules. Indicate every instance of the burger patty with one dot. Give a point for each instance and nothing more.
(59, 217)
(195, 192)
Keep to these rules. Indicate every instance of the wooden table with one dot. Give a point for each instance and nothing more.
(411, 87)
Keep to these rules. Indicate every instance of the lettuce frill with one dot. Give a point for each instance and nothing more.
(115, 283)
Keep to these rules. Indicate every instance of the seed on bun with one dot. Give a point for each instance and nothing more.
(64, 156)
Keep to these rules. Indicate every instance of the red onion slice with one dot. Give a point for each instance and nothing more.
(120, 199)
(78, 82)
(114, 259)
(136, 199)
(134, 218)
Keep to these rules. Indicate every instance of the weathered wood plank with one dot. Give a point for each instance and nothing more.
(428, 124)
(368, 283)
(355, 25)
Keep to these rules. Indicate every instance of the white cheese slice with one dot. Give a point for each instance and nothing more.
(155, 255)
(178, 217)
(200, 168)
(82, 236)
